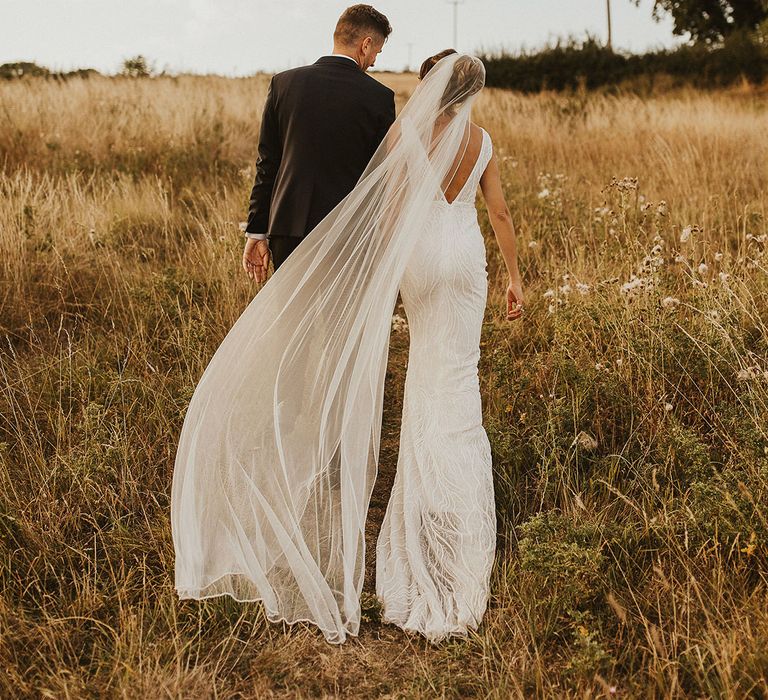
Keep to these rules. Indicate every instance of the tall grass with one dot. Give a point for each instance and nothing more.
(626, 411)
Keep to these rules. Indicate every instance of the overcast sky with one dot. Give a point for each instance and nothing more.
(239, 37)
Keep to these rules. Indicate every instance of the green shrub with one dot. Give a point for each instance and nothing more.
(589, 64)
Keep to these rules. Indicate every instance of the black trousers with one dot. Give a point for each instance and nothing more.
(280, 247)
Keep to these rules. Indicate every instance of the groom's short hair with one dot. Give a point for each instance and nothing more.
(359, 21)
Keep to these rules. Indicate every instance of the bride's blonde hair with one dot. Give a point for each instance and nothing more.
(467, 79)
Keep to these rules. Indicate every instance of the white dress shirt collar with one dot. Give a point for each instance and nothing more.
(344, 56)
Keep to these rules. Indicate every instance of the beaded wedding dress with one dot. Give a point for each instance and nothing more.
(437, 543)
(279, 449)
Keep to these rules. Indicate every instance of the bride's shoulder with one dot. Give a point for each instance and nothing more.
(480, 132)
(485, 139)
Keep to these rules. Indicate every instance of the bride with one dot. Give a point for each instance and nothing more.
(279, 449)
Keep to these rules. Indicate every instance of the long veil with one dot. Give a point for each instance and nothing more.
(279, 449)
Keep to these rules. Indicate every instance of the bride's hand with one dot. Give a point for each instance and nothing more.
(256, 259)
(515, 301)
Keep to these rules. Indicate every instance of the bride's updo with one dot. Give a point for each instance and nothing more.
(467, 79)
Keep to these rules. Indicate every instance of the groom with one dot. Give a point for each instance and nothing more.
(321, 125)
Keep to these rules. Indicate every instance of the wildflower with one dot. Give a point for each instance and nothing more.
(668, 407)
(685, 234)
(718, 257)
(679, 258)
(533, 244)
(551, 308)
(399, 323)
(549, 294)
(662, 209)
(585, 441)
(565, 289)
(670, 302)
(601, 212)
(582, 288)
(544, 193)
(700, 284)
(619, 362)
(635, 284)
(744, 375)
(714, 315)
(751, 546)
(724, 277)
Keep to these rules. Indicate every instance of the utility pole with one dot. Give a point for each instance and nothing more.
(610, 36)
(455, 4)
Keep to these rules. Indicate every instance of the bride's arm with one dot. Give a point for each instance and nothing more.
(503, 228)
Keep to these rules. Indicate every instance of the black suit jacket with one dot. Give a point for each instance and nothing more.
(320, 127)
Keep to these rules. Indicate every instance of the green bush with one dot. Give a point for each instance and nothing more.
(567, 66)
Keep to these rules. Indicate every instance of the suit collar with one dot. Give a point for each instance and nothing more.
(342, 61)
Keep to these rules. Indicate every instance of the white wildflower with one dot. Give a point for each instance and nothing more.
(549, 294)
(662, 208)
(670, 302)
(533, 244)
(703, 269)
(635, 284)
(685, 234)
(668, 407)
(582, 288)
(585, 441)
(718, 257)
(399, 323)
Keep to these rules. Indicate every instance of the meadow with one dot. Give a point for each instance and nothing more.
(626, 411)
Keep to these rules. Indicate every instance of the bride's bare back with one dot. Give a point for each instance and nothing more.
(463, 165)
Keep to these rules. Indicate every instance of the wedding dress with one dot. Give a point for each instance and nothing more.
(437, 542)
(279, 448)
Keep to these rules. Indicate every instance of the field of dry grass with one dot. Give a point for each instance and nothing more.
(627, 412)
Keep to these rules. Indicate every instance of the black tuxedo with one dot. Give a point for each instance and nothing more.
(320, 127)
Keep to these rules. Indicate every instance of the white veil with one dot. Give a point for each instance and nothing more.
(278, 452)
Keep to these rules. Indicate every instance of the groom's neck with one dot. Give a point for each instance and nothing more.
(344, 51)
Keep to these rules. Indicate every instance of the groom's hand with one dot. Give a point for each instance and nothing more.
(256, 259)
